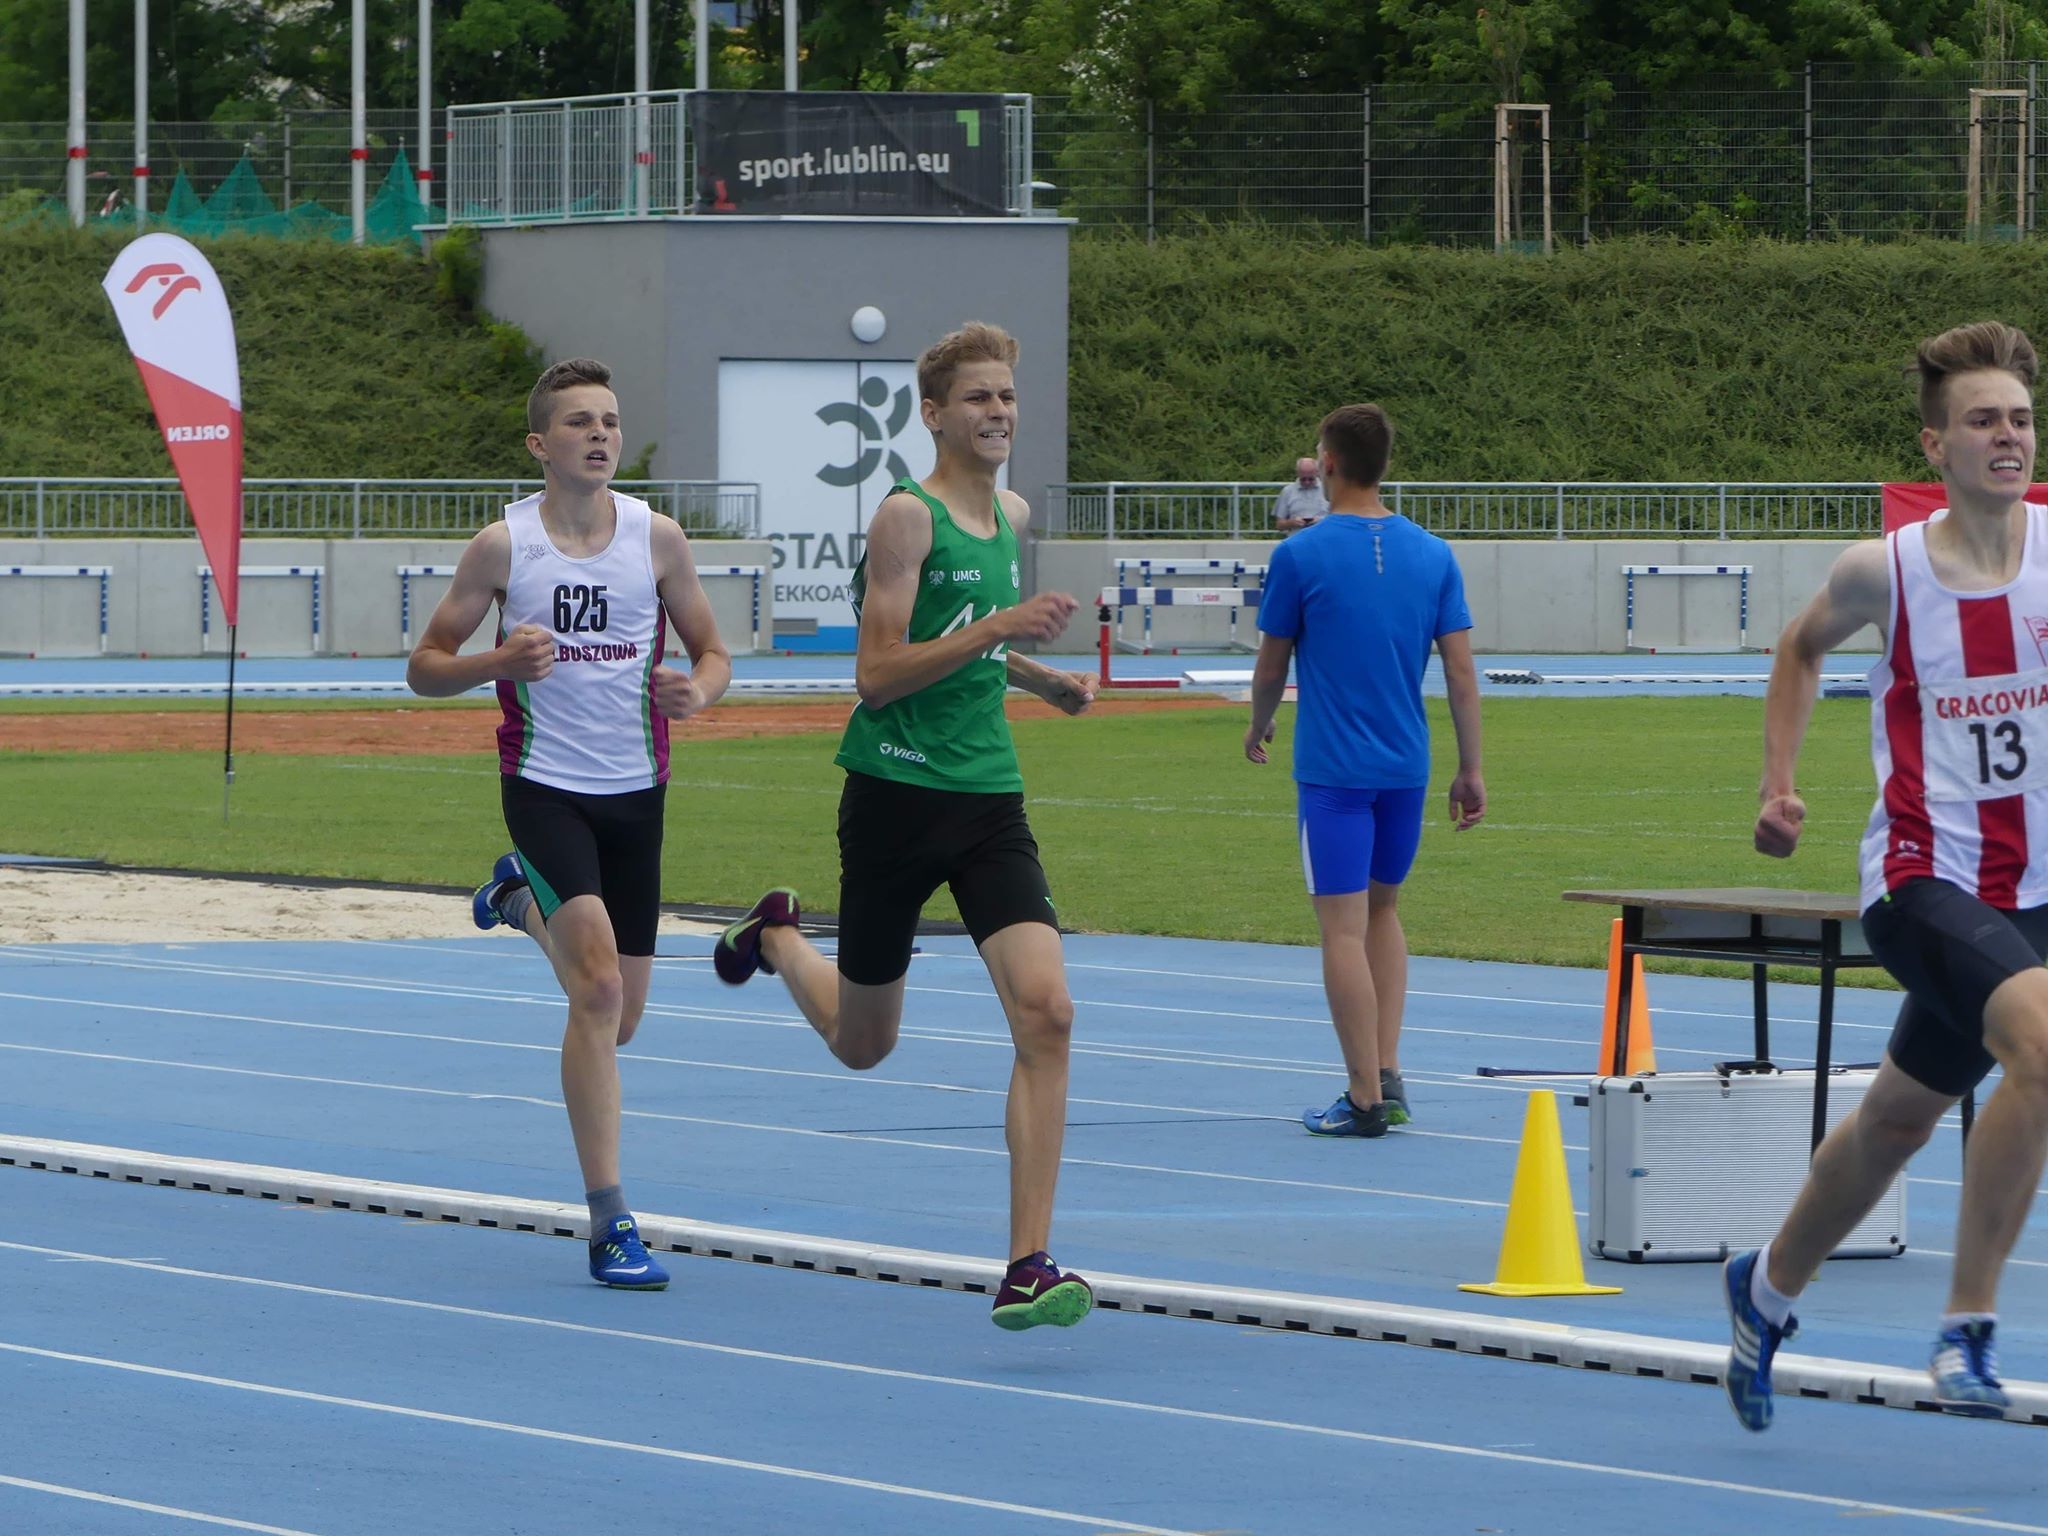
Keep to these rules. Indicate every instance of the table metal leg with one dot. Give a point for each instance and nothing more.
(1624, 995)
(1830, 956)
(1759, 982)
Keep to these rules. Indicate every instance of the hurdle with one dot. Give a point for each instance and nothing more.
(1740, 572)
(406, 574)
(754, 573)
(1147, 567)
(103, 573)
(1529, 676)
(1117, 598)
(312, 573)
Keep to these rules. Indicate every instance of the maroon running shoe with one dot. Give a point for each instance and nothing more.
(738, 953)
(1035, 1290)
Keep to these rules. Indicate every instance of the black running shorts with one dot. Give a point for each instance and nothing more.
(608, 846)
(1950, 952)
(898, 843)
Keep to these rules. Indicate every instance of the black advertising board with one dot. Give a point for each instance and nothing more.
(848, 152)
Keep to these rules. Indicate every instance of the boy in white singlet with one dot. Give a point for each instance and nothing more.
(583, 577)
(1954, 860)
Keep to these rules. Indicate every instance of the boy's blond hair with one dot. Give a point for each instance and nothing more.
(975, 342)
(1988, 344)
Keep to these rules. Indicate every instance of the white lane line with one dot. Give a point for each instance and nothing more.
(138, 1505)
(228, 969)
(1458, 997)
(868, 1079)
(598, 1442)
(867, 1137)
(1164, 1410)
(1164, 1055)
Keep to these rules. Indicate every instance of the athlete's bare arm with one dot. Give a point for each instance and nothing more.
(1071, 692)
(436, 670)
(679, 694)
(1461, 689)
(886, 666)
(1857, 592)
(1269, 687)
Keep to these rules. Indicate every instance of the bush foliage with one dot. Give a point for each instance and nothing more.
(351, 365)
(1208, 357)
(1213, 357)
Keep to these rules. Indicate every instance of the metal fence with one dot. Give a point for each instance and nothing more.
(301, 156)
(1518, 510)
(1830, 150)
(522, 162)
(342, 509)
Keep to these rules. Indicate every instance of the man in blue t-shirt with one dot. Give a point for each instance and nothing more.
(1355, 601)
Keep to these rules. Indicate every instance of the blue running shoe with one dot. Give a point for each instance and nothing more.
(1755, 1344)
(1966, 1373)
(507, 874)
(1345, 1118)
(619, 1259)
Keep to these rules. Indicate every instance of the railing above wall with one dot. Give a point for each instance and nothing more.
(619, 156)
(60, 507)
(1126, 509)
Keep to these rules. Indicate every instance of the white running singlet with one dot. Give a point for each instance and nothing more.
(590, 725)
(1959, 730)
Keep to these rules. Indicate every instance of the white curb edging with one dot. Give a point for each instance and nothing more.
(1543, 1343)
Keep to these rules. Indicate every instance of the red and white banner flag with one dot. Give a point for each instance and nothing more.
(176, 320)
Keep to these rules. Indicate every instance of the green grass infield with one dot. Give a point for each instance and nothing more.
(1149, 823)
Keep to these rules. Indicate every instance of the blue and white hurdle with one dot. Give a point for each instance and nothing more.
(1146, 567)
(1739, 572)
(755, 575)
(104, 574)
(312, 573)
(1115, 599)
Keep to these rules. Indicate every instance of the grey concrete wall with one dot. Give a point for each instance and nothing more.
(1526, 595)
(153, 597)
(665, 301)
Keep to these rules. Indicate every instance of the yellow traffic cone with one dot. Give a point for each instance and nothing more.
(1642, 1051)
(1539, 1250)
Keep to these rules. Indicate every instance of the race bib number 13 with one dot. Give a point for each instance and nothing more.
(1986, 737)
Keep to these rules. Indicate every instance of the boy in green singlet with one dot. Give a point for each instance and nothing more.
(933, 796)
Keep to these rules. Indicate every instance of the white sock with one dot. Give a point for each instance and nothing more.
(1958, 1319)
(515, 904)
(1774, 1304)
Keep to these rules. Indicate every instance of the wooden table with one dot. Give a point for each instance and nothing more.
(1753, 925)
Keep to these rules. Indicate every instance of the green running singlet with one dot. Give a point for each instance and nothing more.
(950, 734)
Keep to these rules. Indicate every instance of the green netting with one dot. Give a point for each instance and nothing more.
(241, 206)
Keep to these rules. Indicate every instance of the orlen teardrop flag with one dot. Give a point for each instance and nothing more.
(176, 320)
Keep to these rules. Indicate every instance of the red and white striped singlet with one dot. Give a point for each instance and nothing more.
(1959, 729)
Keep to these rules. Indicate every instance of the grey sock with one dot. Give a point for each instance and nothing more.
(1391, 1086)
(607, 1205)
(515, 904)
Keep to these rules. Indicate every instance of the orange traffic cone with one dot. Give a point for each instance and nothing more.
(1642, 1051)
(1539, 1248)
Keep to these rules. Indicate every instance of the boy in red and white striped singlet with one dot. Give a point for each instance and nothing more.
(1954, 861)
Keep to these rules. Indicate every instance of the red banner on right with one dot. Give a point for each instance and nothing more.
(1914, 501)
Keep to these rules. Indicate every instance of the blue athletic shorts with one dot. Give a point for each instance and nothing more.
(1351, 835)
